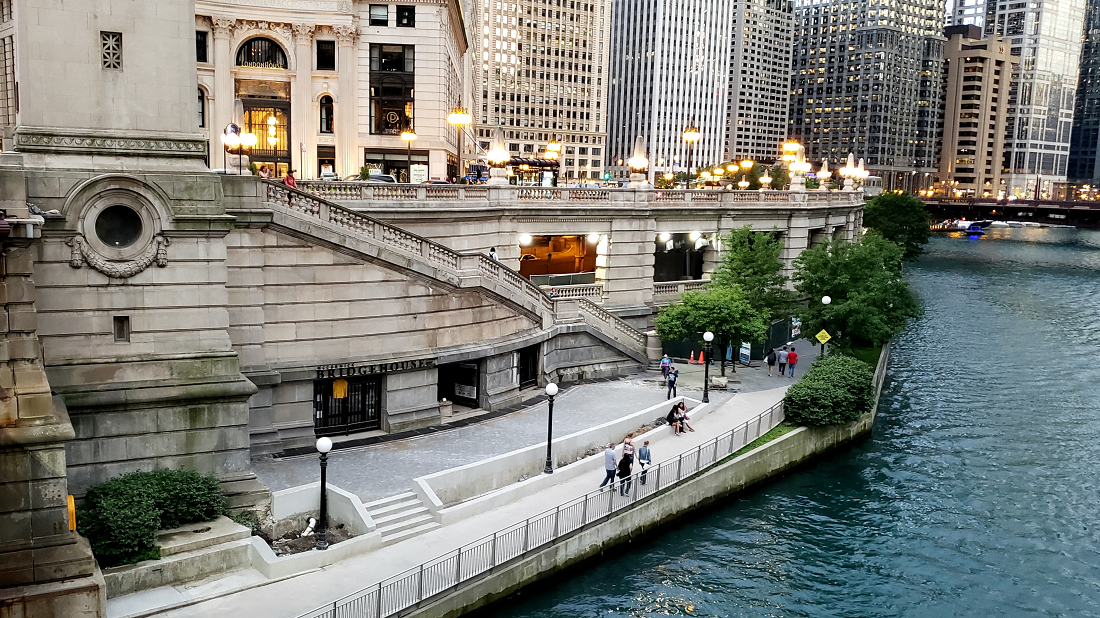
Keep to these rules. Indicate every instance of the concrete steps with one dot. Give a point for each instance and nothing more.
(400, 517)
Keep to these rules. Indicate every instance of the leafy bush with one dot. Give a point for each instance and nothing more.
(121, 517)
(837, 389)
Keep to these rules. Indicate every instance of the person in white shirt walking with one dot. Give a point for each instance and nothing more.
(782, 361)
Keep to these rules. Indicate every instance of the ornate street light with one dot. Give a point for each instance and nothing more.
(744, 184)
(408, 136)
(551, 390)
(707, 338)
(746, 164)
(459, 117)
(638, 164)
(498, 156)
(691, 135)
(324, 445)
(765, 181)
(824, 174)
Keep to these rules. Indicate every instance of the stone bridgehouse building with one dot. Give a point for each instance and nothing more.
(160, 315)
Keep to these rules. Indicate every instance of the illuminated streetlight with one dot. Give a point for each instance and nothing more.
(408, 136)
(691, 135)
(459, 118)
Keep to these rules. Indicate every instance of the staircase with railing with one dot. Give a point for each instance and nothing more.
(313, 216)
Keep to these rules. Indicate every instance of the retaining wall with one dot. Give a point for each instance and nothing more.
(737, 475)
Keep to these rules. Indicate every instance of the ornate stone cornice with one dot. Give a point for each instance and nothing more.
(73, 141)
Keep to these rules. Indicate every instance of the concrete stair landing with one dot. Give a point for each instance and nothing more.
(400, 517)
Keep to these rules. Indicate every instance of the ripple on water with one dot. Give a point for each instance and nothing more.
(977, 495)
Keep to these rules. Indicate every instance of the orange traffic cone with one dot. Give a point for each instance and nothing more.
(701, 361)
(691, 361)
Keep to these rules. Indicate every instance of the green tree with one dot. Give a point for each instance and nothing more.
(900, 218)
(723, 310)
(750, 259)
(871, 302)
(780, 177)
(837, 389)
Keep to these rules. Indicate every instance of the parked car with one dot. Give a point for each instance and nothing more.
(382, 178)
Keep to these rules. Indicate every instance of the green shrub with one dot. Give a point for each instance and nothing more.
(121, 517)
(837, 389)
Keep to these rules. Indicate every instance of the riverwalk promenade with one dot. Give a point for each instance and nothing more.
(386, 469)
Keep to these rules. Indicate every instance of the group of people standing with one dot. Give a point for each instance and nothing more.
(623, 467)
(786, 359)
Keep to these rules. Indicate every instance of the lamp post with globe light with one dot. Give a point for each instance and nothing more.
(324, 445)
(551, 390)
(459, 118)
(825, 300)
(638, 164)
(707, 338)
(408, 136)
(691, 135)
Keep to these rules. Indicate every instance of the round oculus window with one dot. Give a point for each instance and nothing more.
(118, 226)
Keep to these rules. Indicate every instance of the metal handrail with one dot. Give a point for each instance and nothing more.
(448, 571)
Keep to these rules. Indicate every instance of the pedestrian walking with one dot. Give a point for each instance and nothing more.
(673, 419)
(644, 457)
(673, 373)
(771, 361)
(792, 360)
(628, 447)
(666, 364)
(783, 361)
(625, 466)
(493, 253)
(609, 465)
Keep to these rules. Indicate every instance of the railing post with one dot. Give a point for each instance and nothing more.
(557, 517)
(584, 512)
(658, 481)
(679, 467)
(378, 611)
(458, 567)
(526, 534)
(610, 500)
(420, 585)
(493, 558)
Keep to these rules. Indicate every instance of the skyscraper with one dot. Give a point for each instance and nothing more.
(865, 79)
(1084, 147)
(1047, 38)
(760, 79)
(538, 72)
(670, 69)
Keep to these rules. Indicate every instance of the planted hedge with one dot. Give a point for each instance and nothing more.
(120, 517)
(836, 390)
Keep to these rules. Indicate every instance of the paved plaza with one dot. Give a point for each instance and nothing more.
(385, 469)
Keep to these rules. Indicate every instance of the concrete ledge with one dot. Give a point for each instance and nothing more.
(177, 568)
(457, 493)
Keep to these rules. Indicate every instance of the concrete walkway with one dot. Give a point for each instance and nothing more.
(386, 469)
(294, 596)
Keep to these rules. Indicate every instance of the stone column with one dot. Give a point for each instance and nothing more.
(347, 114)
(224, 90)
(46, 569)
(630, 262)
(303, 116)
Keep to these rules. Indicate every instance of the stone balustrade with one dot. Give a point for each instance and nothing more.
(677, 288)
(592, 291)
(425, 194)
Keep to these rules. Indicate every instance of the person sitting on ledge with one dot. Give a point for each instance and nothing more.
(683, 414)
(673, 419)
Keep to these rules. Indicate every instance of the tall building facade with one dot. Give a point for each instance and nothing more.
(1084, 147)
(977, 74)
(1047, 38)
(760, 79)
(333, 83)
(865, 79)
(670, 70)
(538, 71)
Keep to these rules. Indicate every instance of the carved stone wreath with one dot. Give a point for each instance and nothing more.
(82, 253)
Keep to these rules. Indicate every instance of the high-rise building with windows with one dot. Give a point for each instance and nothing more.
(538, 71)
(670, 70)
(977, 73)
(865, 79)
(760, 79)
(1084, 146)
(1047, 38)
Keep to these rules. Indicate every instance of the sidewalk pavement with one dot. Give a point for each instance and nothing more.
(294, 596)
(745, 379)
(386, 469)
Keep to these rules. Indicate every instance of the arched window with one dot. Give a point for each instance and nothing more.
(261, 53)
(202, 108)
(326, 114)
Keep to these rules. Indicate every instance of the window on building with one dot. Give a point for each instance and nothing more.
(392, 82)
(326, 55)
(111, 50)
(379, 15)
(122, 328)
(261, 53)
(406, 16)
(202, 108)
(326, 114)
(200, 46)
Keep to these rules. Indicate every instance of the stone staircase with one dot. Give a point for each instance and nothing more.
(400, 517)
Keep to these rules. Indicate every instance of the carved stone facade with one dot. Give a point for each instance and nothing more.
(332, 117)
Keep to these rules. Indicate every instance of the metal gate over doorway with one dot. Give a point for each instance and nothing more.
(342, 406)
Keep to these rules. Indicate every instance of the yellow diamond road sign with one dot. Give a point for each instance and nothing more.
(823, 336)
